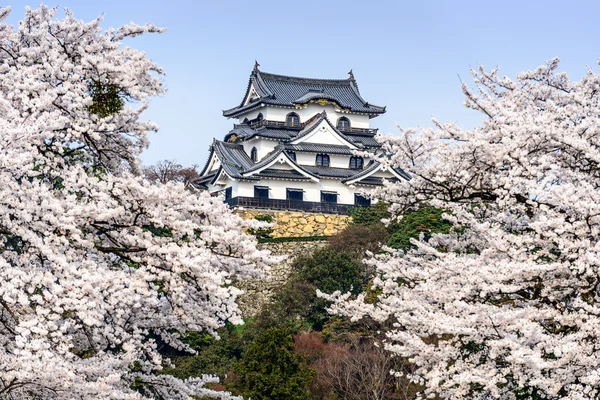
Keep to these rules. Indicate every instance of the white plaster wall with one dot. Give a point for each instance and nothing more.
(335, 160)
(215, 164)
(252, 114)
(383, 174)
(246, 189)
(322, 134)
(312, 190)
(306, 158)
(263, 146)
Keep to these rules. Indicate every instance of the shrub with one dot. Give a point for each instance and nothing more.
(370, 215)
(269, 370)
(425, 220)
(330, 270)
(213, 357)
(355, 240)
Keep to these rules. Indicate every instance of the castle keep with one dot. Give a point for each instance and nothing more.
(293, 149)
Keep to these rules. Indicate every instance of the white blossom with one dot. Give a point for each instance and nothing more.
(95, 261)
(507, 304)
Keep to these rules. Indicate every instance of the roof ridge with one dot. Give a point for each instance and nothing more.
(303, 79)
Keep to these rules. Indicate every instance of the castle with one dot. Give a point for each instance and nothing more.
(294, 147)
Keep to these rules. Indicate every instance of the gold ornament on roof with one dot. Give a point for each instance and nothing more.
(324, 102)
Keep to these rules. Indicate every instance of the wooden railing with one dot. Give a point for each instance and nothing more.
(293, 205)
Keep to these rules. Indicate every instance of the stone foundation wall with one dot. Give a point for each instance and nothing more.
(299, 224)
(259, 292)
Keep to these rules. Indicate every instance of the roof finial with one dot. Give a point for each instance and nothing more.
(351, 75)
(256, 65)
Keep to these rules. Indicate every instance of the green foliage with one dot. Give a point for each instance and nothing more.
(330, 270)
(370, 215)
(263, 233)
(355, 240)
(106, 99)
(260, 360)
(269, 370)
(297, 303)
(214, 357)
(426, 221)
(292, 239)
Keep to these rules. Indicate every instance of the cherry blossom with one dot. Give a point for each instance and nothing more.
(96, 263)
(506, 305)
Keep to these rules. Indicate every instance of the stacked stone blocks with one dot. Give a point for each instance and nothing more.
(300, 224)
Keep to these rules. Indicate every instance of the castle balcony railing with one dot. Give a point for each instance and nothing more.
(291, 205)
(366, 131)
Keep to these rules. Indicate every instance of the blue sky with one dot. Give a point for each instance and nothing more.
(405, 55)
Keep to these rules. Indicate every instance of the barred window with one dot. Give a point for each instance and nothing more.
(292, 119)
(322, 160)
(343, 124)
(356, 162)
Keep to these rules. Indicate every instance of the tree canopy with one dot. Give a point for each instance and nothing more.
(96, 263)
(505, 304)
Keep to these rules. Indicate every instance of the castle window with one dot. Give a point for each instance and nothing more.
(322, 160)
(361, 201)
(292, 155)
(254, 154)
(261, 192)
(343, 124)
(228, 193)
(294, 194)
(328, 197)
(259, 117)
(356, 162)
(292, 119)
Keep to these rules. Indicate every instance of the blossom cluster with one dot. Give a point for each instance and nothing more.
(507, 304)
(96, 263)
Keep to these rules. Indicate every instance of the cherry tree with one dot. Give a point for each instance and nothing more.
(171, 171)
(507, 304)
(96, 263)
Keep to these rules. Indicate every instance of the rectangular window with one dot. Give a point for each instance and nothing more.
(261, 192)
(228, 193)
(294, 194)
(361, 201)
(328, 197)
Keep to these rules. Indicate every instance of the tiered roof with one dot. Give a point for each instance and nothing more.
(236, 163)
(289, 91)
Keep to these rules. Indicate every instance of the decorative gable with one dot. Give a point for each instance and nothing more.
(280, 161)
(323, 132)
(251, 96)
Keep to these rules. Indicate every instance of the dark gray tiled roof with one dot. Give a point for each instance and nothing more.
(288, 91)
(267, 159)
(205, 180)
(282, 174)
(376, 181)
(367, 141)
(372, 166)
(314, 94)
(236, 163)
(330, 172)
(234, 159)
(273, 156)
(274, 133)
(319, 148)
